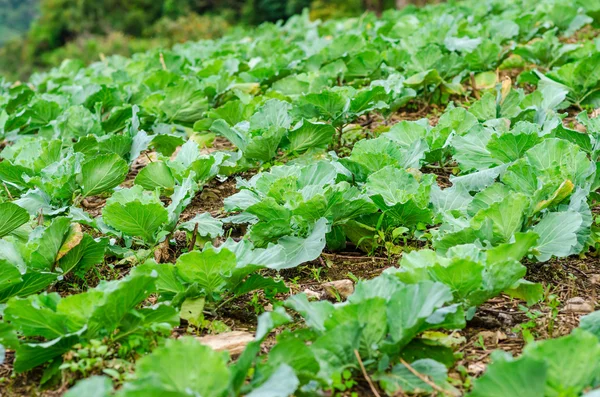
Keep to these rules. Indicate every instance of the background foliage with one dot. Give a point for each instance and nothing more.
(15, 17)
(37, 34)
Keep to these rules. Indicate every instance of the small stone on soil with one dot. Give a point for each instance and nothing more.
(578, 305)
(343, 288)
(476, 368)
(492, 337)
(595, 279)
(234, 342)
(312, 295)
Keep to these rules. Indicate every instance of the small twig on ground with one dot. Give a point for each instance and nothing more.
(425, 379)
(40, 220)
(584, 274)
(354, 257)
(367, 378)
(498, 311)
(322, 261)
(367, 122)
(463, 347)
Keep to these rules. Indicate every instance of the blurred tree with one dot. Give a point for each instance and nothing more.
(258, 11)
(175, 8)
(296, 6)
(82, 28)
(15, 17)
(61, 21)
(373, 5)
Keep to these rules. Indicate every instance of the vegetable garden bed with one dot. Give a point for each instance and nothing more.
(403, 205)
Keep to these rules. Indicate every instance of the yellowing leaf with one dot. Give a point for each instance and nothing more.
(506, 86)
(486, 80)
(73, 239)
(563, 191)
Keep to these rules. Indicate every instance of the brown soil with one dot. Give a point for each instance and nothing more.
(210, 199)
(23, 384)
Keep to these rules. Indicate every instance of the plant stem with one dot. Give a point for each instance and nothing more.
(366, 375)
(194, 236)
(340, 132)
(425, 379)
(7, 191)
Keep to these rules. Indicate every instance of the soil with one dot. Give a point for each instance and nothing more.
(23, 384)
(210, 199)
